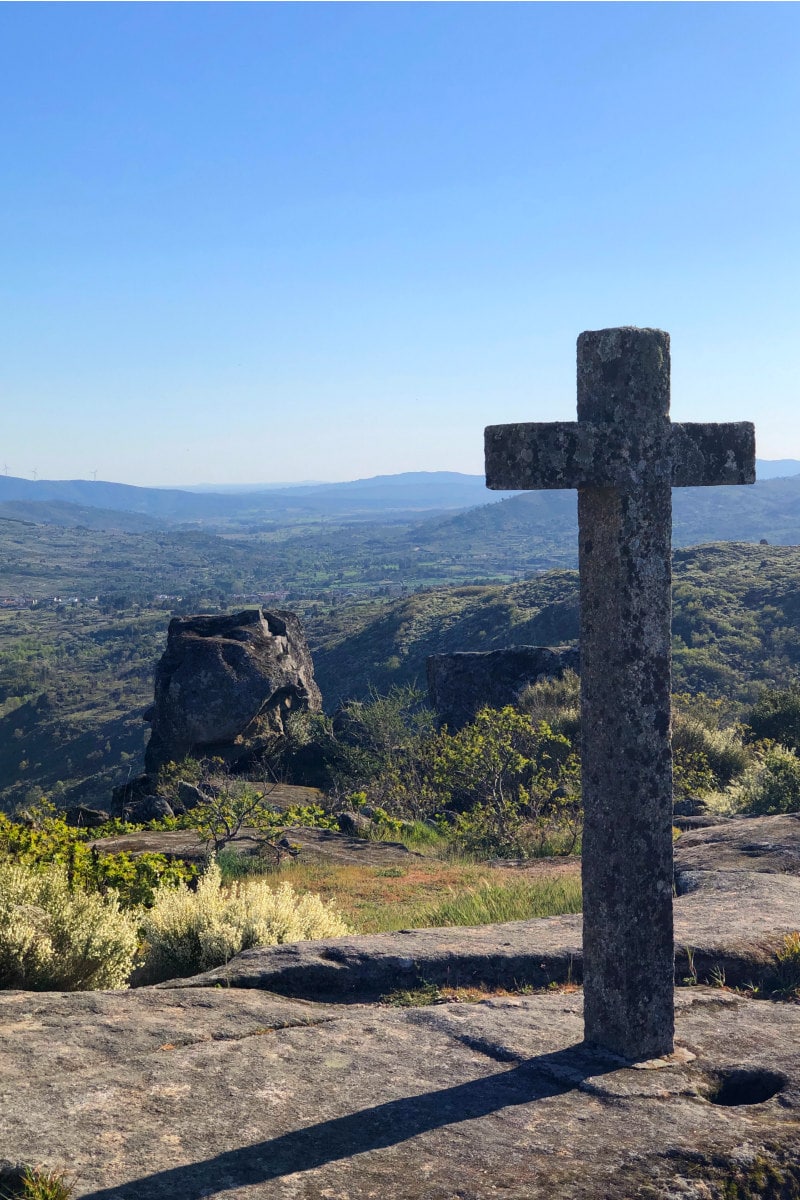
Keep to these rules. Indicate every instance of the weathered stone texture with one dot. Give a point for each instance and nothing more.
(225, 684)
(462, 683)
(181, 1094)
(626, 761)
(624, 457)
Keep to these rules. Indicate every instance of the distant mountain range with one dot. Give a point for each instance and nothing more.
(411, 495)
(775, 468)
(383, 496)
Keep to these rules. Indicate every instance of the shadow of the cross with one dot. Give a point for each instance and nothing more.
(374, 1128)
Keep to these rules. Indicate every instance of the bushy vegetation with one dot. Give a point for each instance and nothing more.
(191, 931)
(771, 785)
(775, 717)
(788, 971)
(508, 783)
(230, 804)
(503, 785)
(74, 918)
(57, 938)
(44, 838)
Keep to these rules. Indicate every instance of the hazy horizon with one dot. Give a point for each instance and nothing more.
(223, 487)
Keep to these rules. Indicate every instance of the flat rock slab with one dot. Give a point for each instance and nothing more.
(308, 844)
(286, 795)
(770, 844)
(349, 851)
(182, 1094)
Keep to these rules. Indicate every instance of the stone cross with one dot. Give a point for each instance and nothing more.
(624, 456)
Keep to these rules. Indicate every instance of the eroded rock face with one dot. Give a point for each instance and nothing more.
(462, 683)
(225, 684)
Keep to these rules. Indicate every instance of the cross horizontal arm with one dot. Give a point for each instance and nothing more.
(547, 454)
(579, 454)
(707, 454)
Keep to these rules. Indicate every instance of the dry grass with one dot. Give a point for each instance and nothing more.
(432, 993)
(382, 899)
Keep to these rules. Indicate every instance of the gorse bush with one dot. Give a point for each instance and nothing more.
(706, 759)
(49, 840)
(378, 745)
(187, 932)
(555, 701)
(55, 939)
(503, 785)
(516, 786)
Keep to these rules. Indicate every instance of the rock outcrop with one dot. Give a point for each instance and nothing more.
(225, 684)
(462, 683)
(263, 1078)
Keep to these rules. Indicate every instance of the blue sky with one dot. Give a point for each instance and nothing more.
(262, 242)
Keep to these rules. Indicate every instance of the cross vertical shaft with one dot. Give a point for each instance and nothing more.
(625, 619)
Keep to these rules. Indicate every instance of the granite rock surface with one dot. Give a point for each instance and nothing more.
(182, 1094)
(220, 1085)
(225, 684)
(460, 684)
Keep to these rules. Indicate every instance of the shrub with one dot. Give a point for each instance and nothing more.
(789, 965)
(187, 932)
(719, 753)
(56, 939)
(773, 785)
(32, 1183)
(375, 741)
(49, 840)
(555, 701)
(776, 717)
(517, 785)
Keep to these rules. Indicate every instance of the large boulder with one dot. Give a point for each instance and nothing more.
(462, 683)
(225, 685)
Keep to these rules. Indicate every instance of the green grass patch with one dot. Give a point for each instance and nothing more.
(30, 1183)
(414, 835)
(419, 997)
(234, 866)
(490, 903)
(789, 967)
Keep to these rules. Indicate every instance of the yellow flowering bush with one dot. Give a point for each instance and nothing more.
(187, 932)
(56, 939)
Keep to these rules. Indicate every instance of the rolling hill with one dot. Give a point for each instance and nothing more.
(382, 496)
(74, 682)
(735, 625)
